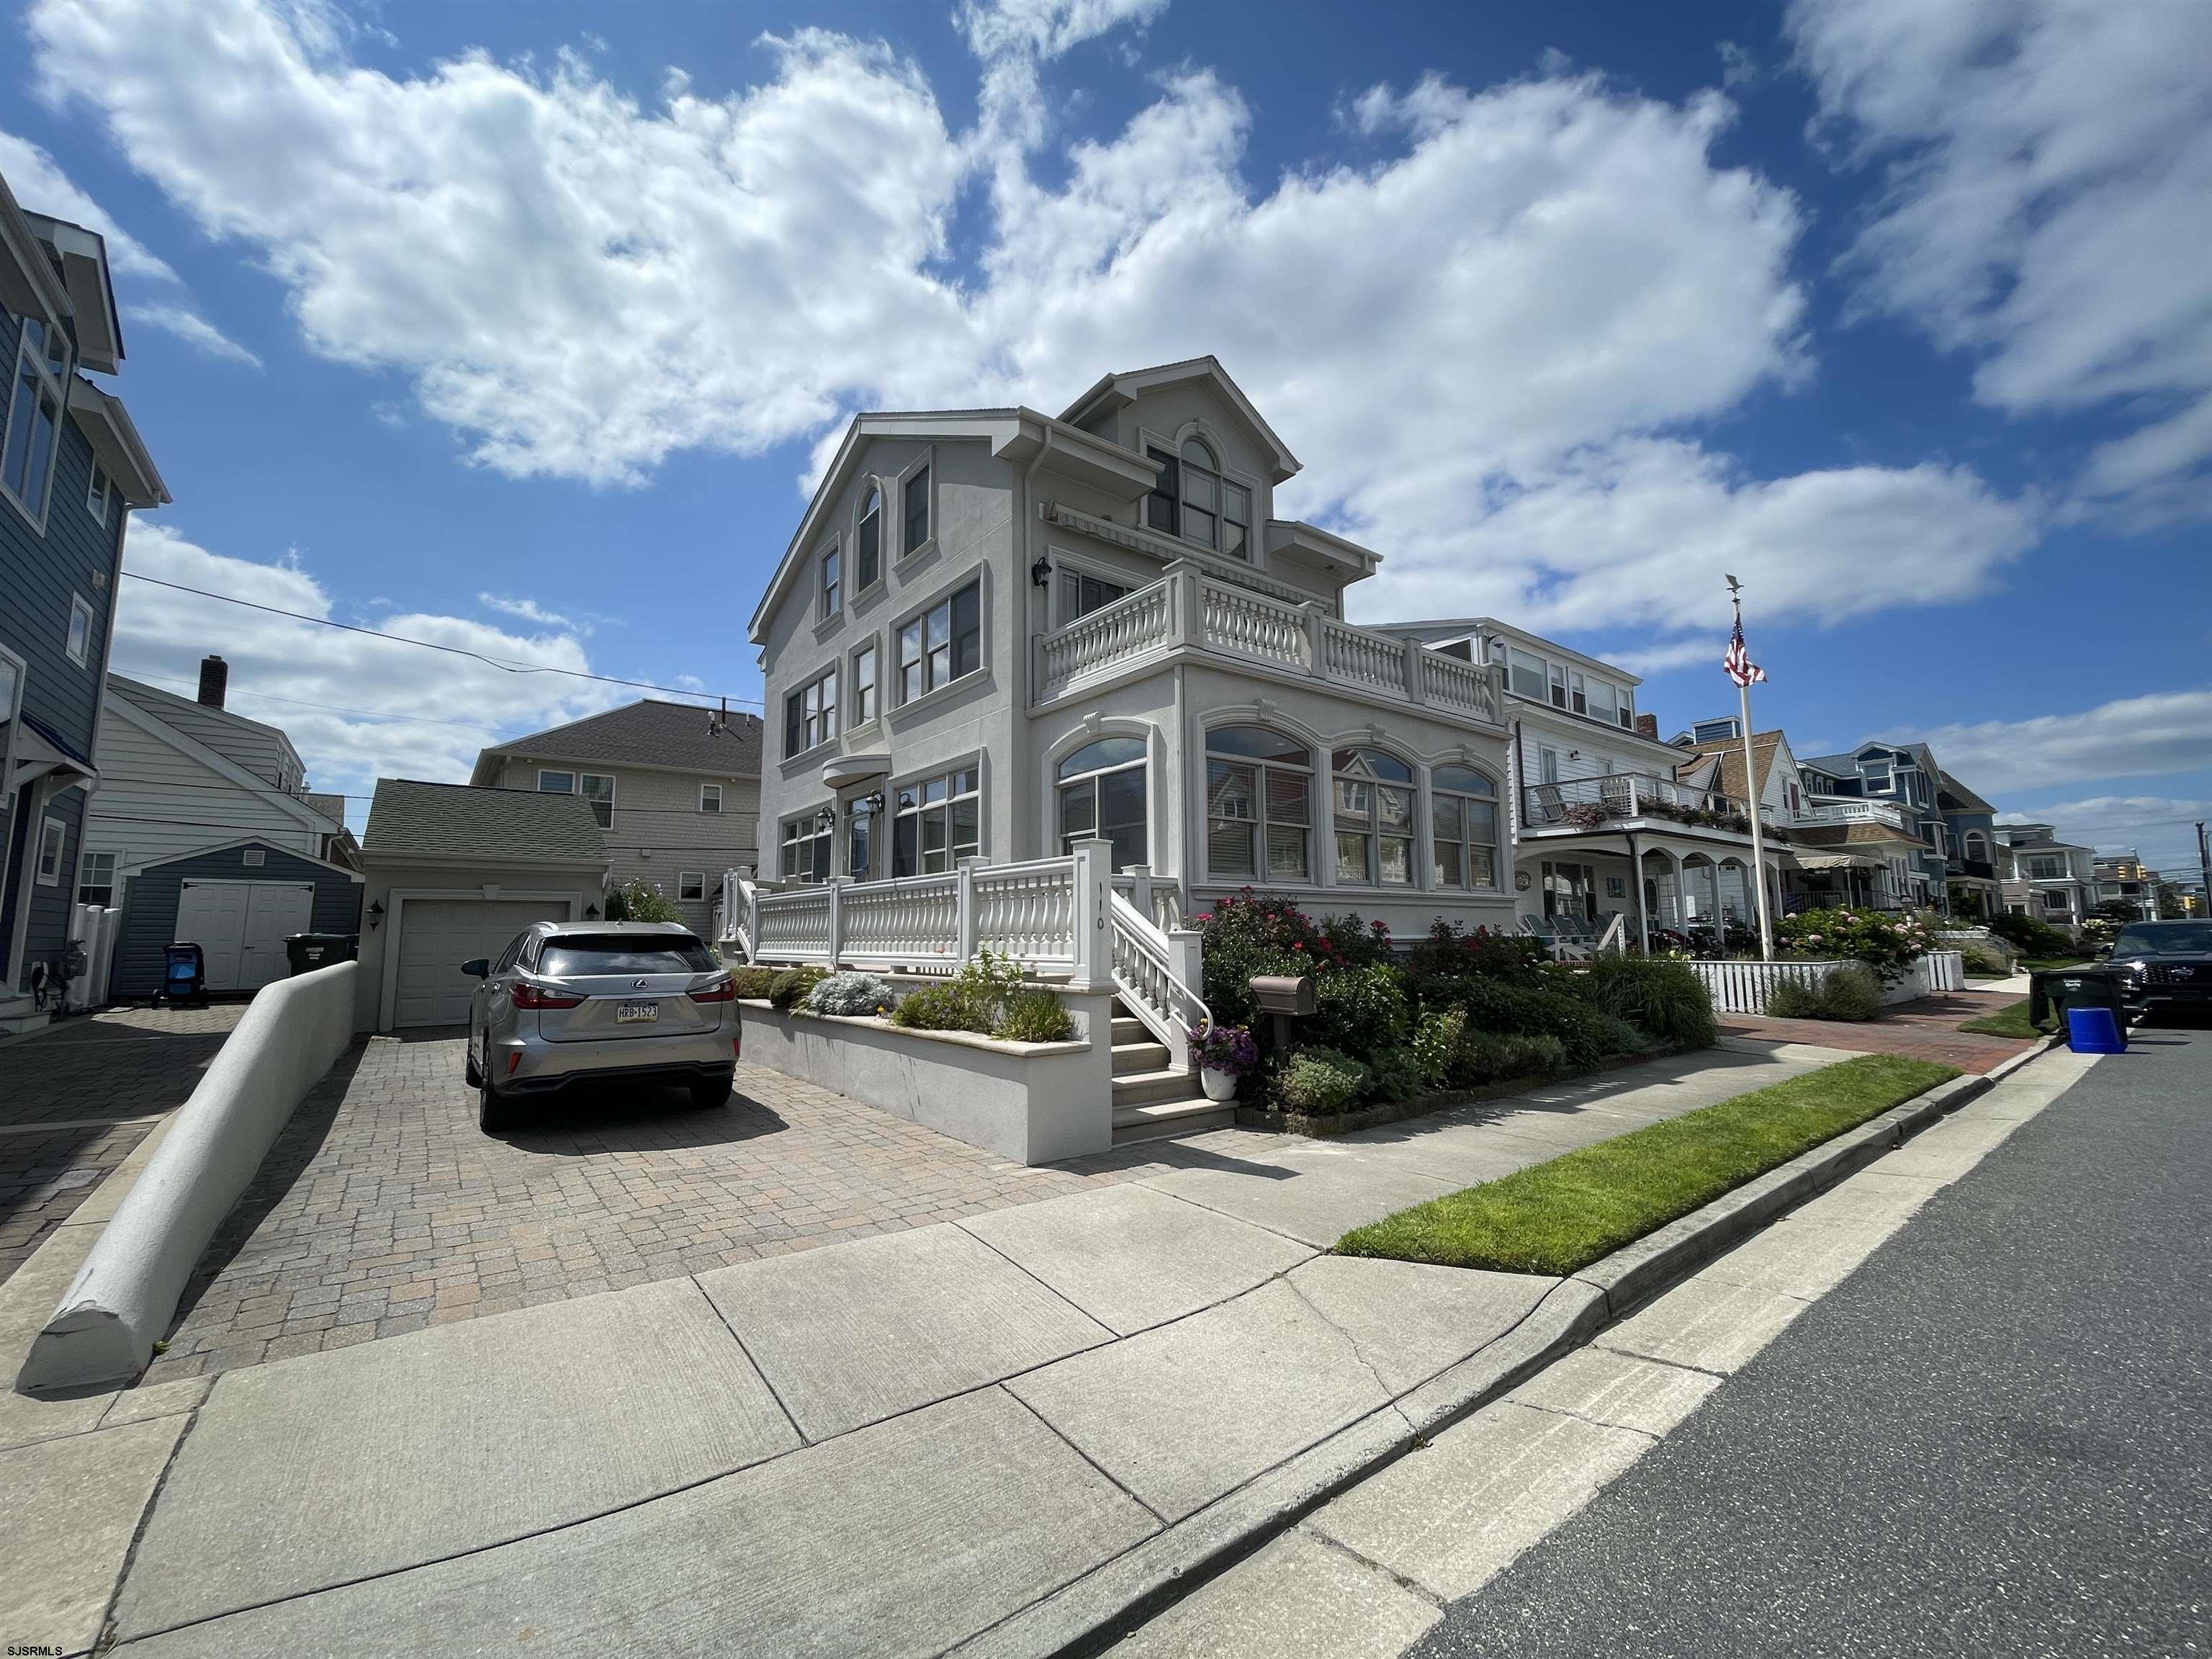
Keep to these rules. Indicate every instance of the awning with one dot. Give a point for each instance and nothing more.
(40, 750)
(1837, 861)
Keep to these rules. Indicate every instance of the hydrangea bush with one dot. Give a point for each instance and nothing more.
(1887, 944)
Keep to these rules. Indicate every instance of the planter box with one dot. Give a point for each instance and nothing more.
(1035, 1103)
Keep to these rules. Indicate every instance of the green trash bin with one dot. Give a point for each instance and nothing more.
(2052, 991)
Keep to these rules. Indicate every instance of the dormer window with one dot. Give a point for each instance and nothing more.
(1193, 501)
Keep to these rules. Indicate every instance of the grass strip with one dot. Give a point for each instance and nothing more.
(2012, 1021)
(1556, 1217)
(2050, 964)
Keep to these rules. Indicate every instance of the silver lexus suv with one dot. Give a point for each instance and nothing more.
(576, 1002)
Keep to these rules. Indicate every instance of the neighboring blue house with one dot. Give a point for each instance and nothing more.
(1903, 777)
(71, 468)
(1975, 884)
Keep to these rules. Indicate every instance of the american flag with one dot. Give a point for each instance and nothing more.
(1740, 668)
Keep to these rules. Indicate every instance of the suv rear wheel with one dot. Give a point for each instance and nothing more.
(712, 1092)
(494, 1110)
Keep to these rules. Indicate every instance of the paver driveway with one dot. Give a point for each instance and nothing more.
(383, 1208)
(74, 1102)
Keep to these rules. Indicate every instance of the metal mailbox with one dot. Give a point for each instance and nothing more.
(1284, 993)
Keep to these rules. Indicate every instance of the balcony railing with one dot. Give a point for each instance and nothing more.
(1188, 610)
(1850, 812)
(1592, 803)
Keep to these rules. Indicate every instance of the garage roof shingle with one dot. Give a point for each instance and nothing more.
(467, 824)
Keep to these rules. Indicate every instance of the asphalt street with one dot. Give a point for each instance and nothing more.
(1995, 1439)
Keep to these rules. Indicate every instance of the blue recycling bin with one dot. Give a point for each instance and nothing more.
(2094, 1031)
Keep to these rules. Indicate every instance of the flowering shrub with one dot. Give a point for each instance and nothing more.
(1362, 1011)
(1230, 1049)
(1450, 951)
(1885, 944)
(1589, 814)
(1250, 933)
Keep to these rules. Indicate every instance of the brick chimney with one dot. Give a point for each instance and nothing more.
(1647, 726)
(214, 680)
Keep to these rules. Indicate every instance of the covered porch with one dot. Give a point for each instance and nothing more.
(1653, 880)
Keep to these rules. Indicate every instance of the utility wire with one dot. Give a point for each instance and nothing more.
(450, 650)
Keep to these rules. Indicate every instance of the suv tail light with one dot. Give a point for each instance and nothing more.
(527, 995)
(725, 992)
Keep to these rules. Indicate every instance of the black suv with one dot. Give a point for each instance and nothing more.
(2168, 965)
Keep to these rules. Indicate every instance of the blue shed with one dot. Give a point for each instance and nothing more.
(238, 902)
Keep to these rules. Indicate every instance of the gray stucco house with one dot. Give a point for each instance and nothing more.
(676, 788)
(71, 469)
(997, 633)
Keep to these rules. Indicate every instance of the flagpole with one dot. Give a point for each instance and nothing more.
(1751, 799)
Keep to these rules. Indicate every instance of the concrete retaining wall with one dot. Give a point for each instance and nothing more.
(1036, 1102)
(122, 1299)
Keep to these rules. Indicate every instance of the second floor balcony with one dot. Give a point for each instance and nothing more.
(1840, 809)
(1580, 804)
(1191, 613)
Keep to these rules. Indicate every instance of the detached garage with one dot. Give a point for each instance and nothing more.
(238, 902)
(453, 871)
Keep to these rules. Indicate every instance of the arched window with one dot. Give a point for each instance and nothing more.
(1259, 804)
(1374, 817)
(868, 559)
(1463, 816)
(1102, 793)
(1193, 500)
(1977, 846)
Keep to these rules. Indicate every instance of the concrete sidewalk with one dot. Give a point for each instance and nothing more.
(902, 1444)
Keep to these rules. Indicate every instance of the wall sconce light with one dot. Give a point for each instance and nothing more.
(826, 819)
(1041, 572)
(591, 913)
(870, 804)
(375, 915)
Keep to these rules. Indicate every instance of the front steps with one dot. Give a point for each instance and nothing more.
(1151, 1100)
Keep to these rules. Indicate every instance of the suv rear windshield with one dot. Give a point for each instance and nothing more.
(575, 956)
(2168, 938)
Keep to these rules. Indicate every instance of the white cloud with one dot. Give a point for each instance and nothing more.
(2165, 731)
(529, 610)
(40, 187)
(412, 696)
(2050, 179)
(1491, 341)
(1677, 653)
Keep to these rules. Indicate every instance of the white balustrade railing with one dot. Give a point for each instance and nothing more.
(910, 920)
(1027, 910)
(1243, 624)
(1155, 970)
(1157, 897)
(1463, 687)
(1049, 913)
(1358, 658)
(1851, 811)
(1113, 634)
(1188, 609)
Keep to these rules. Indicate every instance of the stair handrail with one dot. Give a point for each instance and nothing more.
(1142, 968)
(1615, 937)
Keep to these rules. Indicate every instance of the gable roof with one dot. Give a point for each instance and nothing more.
(648, 732)
(1127, 387)
(153, 700)
(134, 713)
(460, 823)
(1765, 746)
(1966, 800)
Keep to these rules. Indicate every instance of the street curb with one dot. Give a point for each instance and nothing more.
(1090, 1614)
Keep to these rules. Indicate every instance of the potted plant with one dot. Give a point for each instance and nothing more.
(1223, 1054)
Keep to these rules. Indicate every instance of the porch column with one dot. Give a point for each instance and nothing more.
(1636, 881)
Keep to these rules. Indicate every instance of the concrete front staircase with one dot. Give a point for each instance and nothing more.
(1151, 1097)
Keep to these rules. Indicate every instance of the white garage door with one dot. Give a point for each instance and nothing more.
(241, 927)
(436, 936)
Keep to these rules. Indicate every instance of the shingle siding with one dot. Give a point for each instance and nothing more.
(41, 571)
(150, 906)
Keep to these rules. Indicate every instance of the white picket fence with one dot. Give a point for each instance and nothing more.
(1743, 988)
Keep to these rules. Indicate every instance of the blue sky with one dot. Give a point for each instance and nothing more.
(522, 329)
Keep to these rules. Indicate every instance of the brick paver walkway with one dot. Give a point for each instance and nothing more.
(1926, 1030)
(383, 1208)
(76, 1100)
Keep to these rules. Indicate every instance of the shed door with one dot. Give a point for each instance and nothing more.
(436, 936)
(241, 927)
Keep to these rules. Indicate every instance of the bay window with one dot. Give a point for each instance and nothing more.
(1101, 789)
(1374, 807)
(1259, 804)
(806, 847)
(1463, 818)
